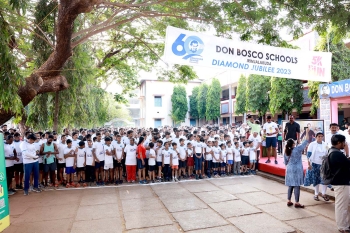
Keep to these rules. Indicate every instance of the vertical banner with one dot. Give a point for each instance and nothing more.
(198, 49)
(4, 201)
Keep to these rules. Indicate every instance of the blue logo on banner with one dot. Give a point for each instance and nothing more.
(190, 47)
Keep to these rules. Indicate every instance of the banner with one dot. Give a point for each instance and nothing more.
(335, 89)
(196, 49)
(4, 202)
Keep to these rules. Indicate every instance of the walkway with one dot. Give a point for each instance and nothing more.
(232, 204)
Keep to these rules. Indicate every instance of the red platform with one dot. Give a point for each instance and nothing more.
(276, 169)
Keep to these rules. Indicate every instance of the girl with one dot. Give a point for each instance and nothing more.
(216, 158)
(230, 153)
(166, 161)
(198, 157)
(209, 157)
(182, 158)
(190, 161)
(245, 158)
(223, 154)
(174, 162)
(159, 159)
(151, 161)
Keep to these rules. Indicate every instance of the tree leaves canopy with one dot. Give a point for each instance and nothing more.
(258, 88)
(241, 96)
(179, 104)
(202, 100)
(194, 103)
(213, 100)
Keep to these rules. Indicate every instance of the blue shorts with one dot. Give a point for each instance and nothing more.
(159, 164)
(271, 142)
(139, 164)
(100, 164)
(70, 170)
(230, 162)
(198, 163)
(151, 168)
(223, 164)
(215, 164)
(252, 161)
(182, 164)
(245, 160)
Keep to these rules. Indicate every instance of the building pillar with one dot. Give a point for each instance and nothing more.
(325, 114)
(230, 110)
(334, 109)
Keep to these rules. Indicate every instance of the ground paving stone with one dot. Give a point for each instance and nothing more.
(99, 199)
(200, 187)
(271, 187)
(258, 198)
(93, 212)
(306, 199)
(215, 196)
(239, 188)
(281, 211)
(174, 193)
(59, 226)
(141, 204)
(261, 223)
(315, 224)
(233, 208)
(162, 229)
(225, 181)
(199, 219)
(134, 192)
(223, 229)
(150, 218)
(105, 225)
(183, 204)
(327, 210)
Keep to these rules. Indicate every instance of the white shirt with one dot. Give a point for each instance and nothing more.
(118, 149)
(89, 156)
(198, 147)
(252, 153)
(108, 158)
(61, 147)
(166, 155)
(318, 151)
(37, 146)
(28, 151)
(152, 161)
(216, 156)
(9, 153)
(256, 140)
(223, 154)
(175, 157)
(208, 156)
(130, 154)
(99, 151)
(69, 160)
(237, 155)
(17, 146)
(159, 154)
(229, 153)
(245, 151)
(270, 128)
(81, 157)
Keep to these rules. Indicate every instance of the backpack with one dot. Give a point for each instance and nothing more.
(326, 174)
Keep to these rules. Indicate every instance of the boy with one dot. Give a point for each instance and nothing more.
(69, 155)
(159, 159)
(99, 156)
(190, 162)
(198, 157)
(230, 153)
(89, 164)
(109, 153)
(174, 161)
(245, 158)
(182, 158)
(61, 160)
(151, 161)
(237, 159)
(119, 155)
(252, 157)
(18, 165)
(216, 158)
(166, 161)
(209, 157)
(223, 154)
(80, 162)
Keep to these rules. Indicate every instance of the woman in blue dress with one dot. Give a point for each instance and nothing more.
(315, 154)
(294, 172)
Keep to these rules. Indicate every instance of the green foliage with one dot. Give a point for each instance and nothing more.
(213, 100)
(202, 100)
(194, 103)
(258, 87)
(241, 96)
(340, 65)
(285, 95)
(179, 104)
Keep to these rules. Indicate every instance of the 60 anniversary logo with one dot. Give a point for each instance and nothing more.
(191, 47)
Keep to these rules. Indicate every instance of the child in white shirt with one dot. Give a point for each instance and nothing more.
(252, 157)
(237, 160)
(174, 162)
(223, 154)
(159, 159)
(245, 158)
(151, 161)
(190, 160)
(209, 157)
(216, 158)
(230, 153)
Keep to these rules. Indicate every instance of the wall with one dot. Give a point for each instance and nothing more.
(152, 88)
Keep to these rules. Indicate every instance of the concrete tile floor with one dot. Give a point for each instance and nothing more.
(231, 204)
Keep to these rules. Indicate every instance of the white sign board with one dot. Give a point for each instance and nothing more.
(197, 49)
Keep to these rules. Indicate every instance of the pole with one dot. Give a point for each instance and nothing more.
(230, 110)
(4, 202)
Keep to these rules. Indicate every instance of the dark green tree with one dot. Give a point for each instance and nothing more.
(258, 88)
(194, 103)
(286, 95)
(213, 100)
(179, 104)
(241, 96)
(202, 100)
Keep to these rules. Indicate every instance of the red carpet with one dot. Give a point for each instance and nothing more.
(275, 169)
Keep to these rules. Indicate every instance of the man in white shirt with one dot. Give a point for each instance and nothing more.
(334, 128)
(271, 131)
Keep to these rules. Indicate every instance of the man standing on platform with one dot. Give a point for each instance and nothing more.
(271, 131)
(292, 130)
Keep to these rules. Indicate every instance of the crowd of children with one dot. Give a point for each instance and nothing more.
(111, 157)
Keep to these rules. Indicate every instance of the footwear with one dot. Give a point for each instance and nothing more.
(197, 178)
(200, 177)
(10, 192)
(18, 186)
(25, 192)
(344, 231)
(316, 198)
(268, 161)
(153, 181)
(289, 203)
(37, 190)
(176, 179)
(325, 197)
(84, 184)
(120, 181)
(276, 162)
(13, 190)
(299, 206)
(30, 188)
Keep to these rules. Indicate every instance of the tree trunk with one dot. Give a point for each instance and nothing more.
(56, 111)
(47, 78)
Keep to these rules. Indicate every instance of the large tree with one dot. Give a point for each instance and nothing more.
(194, 103)
(213, 100)
(202, 100)
(286, 95)
(179, 104)
(241, 96)
(258, 88)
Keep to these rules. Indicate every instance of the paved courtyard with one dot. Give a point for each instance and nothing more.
(232, 204)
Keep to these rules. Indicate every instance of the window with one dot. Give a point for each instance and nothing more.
(224, 108)
(157, 101)
(225, 94)
(157, 123)
(193, 122)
